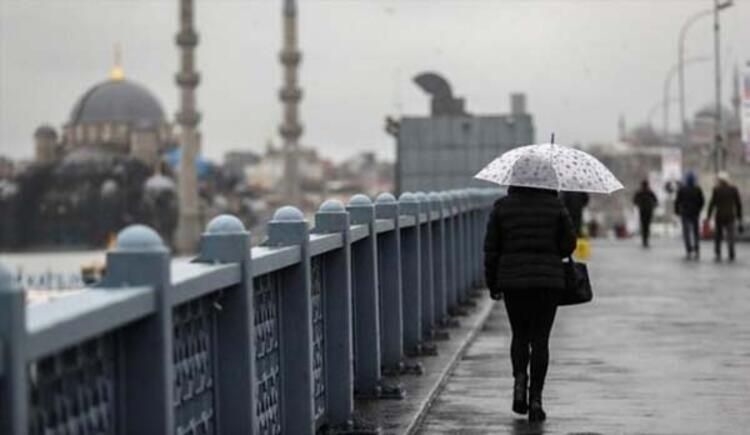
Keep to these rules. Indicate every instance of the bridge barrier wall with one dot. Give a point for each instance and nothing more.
(271, 339)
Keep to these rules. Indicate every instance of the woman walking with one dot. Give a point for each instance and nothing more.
(528, 234)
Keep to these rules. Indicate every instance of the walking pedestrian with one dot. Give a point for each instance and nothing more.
(646, 201)
(575, 202)
(726, 202)
(688, 205)
(528, 234)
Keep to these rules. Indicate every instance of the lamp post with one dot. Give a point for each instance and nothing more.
(681, 62)
(718, 151)
(681, 53)
(678, 67)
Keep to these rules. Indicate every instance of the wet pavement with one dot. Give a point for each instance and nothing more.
(663, 349)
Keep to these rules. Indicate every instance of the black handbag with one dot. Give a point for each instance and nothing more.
(577, 284)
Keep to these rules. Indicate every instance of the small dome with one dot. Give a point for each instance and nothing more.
(118, 101)
(45, 131)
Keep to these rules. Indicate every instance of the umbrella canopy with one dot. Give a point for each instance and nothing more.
(550, 166)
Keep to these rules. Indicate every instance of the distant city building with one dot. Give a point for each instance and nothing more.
(268, 174)
(445, 150)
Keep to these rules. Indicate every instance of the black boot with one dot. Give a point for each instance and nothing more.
(520, 405)
(536, 412)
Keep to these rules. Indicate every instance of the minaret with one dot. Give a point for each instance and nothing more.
(290, 96)
(188, 226)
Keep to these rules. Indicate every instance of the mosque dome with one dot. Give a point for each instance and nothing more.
(120, 101)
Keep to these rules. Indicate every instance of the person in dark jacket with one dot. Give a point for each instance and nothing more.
(726, 202)
(646, 201)
(575, 202)
(528, 234)
(688, 205)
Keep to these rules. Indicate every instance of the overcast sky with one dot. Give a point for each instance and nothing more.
(582, 63)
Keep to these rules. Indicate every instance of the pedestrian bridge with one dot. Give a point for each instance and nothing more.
(310, 332)
(369, 322)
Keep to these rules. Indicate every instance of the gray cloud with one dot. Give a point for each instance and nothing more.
(581, 62)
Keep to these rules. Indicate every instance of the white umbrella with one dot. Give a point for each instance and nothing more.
(550, 166)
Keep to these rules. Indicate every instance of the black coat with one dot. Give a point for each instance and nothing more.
(645, 200)
(689, 201)
(725, 201)
(528, 233)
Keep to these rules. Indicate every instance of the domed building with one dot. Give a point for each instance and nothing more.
(117, 116)
(105, 171)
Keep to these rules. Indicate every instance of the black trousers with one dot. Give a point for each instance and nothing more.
(646, 217)
(531, 313)
(724, 228)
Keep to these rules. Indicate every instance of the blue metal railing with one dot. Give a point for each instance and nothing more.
(271, 339)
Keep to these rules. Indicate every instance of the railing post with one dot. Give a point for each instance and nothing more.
(465, 246)
(427, 286)
(227, 241)
(473, 239)
(439, 260)
(14, 395)
(451, 253)
(411, 260)
(141, 259)
(339, 349)
(289, 228)
(389, 277)
(461, 245)
(365, 286)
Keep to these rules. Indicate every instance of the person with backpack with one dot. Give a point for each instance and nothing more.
(688, 205)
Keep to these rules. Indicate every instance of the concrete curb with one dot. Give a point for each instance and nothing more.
(426, 404)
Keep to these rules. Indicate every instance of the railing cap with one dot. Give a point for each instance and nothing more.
(408, 197)
(225, 224)
(360, 200)
(421, 197)
(434, 197)
(385, 198)
(139, 238)
(288, 213)
(332, 206)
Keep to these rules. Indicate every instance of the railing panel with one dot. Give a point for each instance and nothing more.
(74, 391)
(318, 296)
(268, 353)
(194, 348)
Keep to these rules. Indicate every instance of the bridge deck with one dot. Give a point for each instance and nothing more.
(664, 349)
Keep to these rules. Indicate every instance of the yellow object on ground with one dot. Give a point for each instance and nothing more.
(583, 249)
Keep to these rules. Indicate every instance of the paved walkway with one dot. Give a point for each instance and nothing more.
(663, 349)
